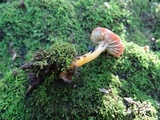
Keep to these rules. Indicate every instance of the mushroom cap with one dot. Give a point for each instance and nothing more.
(115, 46)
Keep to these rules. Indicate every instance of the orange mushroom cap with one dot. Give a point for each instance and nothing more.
(115, 46)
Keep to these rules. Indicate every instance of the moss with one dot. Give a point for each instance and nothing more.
(96, 13)
(137, 60)
(49, 63)
(79, 100)
(13, 87)
(40, 26)
(158, 43)
(60, 53)
(37, 26)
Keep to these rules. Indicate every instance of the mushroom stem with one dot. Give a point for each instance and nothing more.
(81, 60)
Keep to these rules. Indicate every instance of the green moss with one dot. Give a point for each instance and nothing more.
(80, 100)
(51, 26)
(158, 43)
(60, 54)
(96, 13)
(37, 25)
(140, 68)
(12, 102)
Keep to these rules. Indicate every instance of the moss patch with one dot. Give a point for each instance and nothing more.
(106, 88)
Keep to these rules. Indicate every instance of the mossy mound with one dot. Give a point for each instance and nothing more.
(12, 102)
(106, 88)
(36, 25)
(140, 68)
(47, 63)
(97, 93)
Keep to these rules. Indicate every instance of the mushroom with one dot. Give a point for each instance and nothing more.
(106, 40)
(114, 45)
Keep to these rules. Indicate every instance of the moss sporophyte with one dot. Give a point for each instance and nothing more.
(106, 40)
